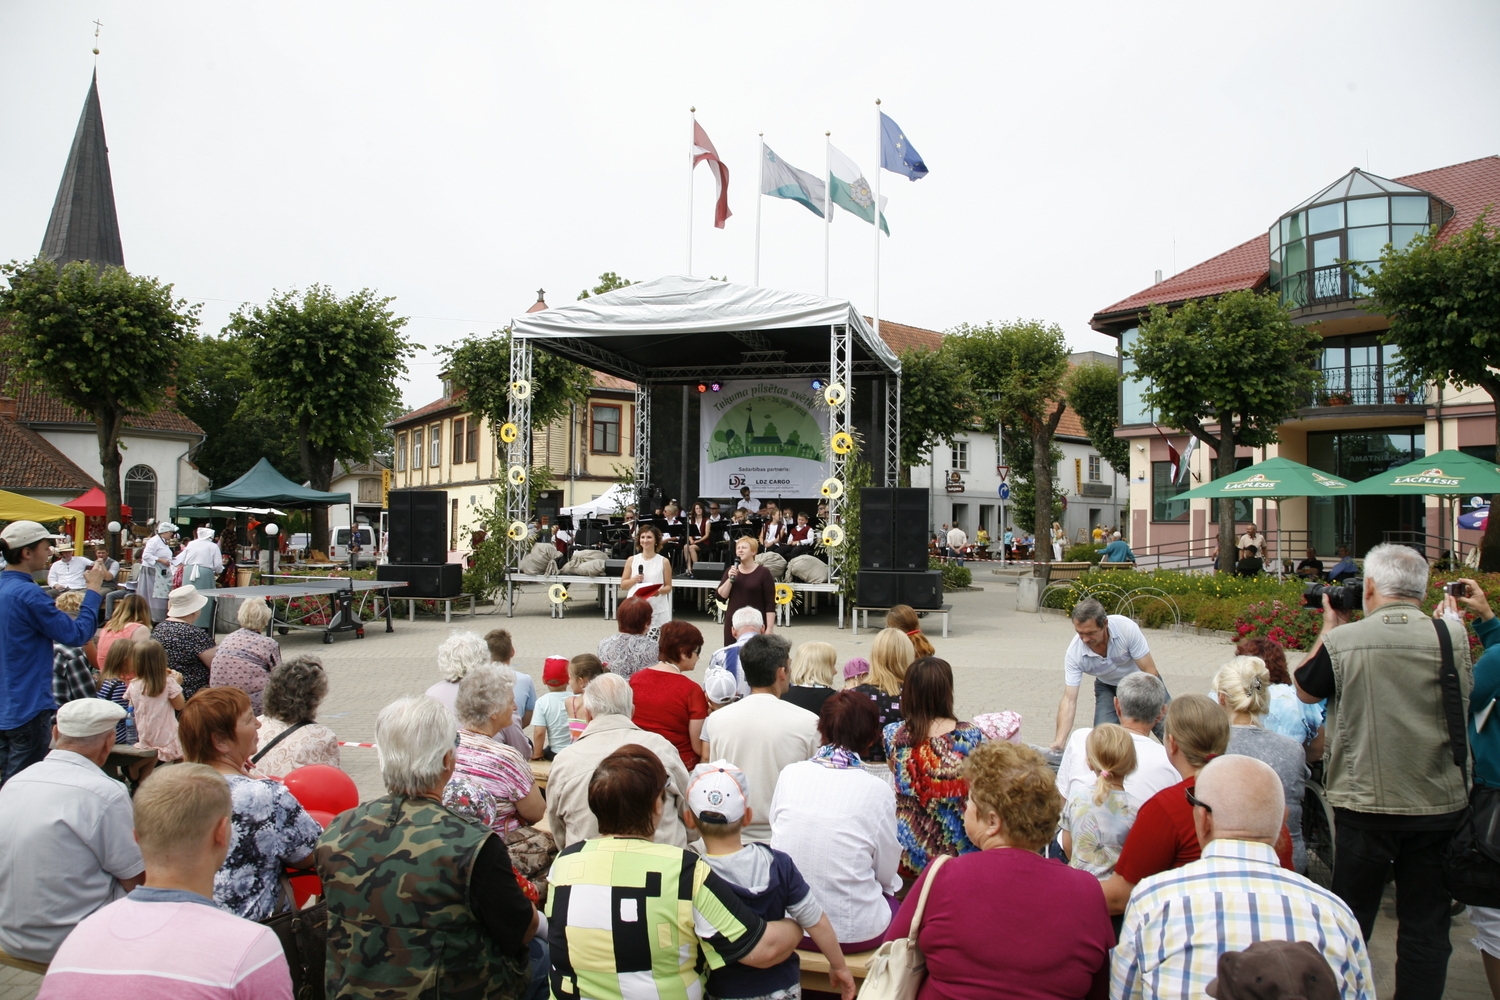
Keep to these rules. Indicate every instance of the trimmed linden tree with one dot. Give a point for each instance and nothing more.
(1228, 371)
(1442, 299)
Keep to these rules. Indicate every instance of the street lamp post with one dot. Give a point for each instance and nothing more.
(272, 530)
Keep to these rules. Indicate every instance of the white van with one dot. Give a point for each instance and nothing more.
(338, 544)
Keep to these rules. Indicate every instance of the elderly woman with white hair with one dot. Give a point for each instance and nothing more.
(414, 890)
(461, 652)
(609, 702)
(246, 656)
(486, 704)
(1243, 687)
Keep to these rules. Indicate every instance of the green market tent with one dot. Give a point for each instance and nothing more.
(263, 486)
(1446, 473)
(1274, 479)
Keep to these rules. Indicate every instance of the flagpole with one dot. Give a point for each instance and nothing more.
(760, 197)
(692, 139)
(878, 172)
(827, 202)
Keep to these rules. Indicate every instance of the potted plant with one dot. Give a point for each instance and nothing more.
(1338, 399)
(1401, 397)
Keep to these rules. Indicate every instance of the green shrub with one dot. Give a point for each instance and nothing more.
(1082, 553)
(955, 577)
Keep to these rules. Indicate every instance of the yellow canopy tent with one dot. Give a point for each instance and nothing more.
(15, 507)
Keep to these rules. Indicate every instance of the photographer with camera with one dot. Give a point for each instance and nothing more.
(1390, 776)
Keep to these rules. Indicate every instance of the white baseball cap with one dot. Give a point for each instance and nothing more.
(719, 792)
(85, 717)
(19, 534)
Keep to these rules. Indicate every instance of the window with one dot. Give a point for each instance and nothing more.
(140, 493)
(436, 447)
(1164, 503)
(1133, 408)
(458, 440)
(960, 456)
(471, 447)
(1358, 370)
(416, 449)
(606, 432)
(369, 490)
(400, 452)
(1095, 469)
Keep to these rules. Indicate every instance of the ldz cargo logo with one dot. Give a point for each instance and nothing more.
(1430, 477)
(1255, 482)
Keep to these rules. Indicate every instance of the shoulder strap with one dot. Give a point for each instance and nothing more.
(916, 918)
(1453, 700)
(279, 737)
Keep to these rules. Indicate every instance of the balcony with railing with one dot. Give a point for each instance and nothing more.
(1350, 384)
(1321, 286)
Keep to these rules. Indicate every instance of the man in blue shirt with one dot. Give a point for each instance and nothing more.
(1344, 568)
(1117, 551)
(29, 624)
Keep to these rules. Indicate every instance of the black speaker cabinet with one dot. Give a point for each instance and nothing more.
(429, 527)
(398, 527)
(922, 589)
(893, 529)
(588, 536)
(877, 589)
(877, 532)
(705, 570)
(424, 580)
(614, 568)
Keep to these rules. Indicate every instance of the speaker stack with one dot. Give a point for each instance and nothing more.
(893, 550)
(417, 546)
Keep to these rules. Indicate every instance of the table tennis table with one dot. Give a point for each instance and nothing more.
(346, 598)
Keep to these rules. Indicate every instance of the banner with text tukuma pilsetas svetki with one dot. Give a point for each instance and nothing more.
(768, 434)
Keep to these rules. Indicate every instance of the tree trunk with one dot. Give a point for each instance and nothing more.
(1224, 465)
(317, 468)
(1489, 544)
(107, 425)
(1041, 479)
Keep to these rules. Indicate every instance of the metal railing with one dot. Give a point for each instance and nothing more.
(1365, 385)
(1195, 555)
(1319, 286)
(1431, 546)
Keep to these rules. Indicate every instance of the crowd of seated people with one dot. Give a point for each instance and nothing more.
(804, 804)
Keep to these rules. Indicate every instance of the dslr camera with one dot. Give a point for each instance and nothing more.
(1346, 596)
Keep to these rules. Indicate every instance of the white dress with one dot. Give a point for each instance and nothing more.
(653, 570)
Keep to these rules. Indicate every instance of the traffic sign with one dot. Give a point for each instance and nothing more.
(1005, 491)
(1002, 471)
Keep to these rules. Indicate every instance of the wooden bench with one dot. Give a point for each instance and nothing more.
(854, 619)
(815, 969)
(540, 769)
(1067, 570)
(1116, 565)
(40, 968)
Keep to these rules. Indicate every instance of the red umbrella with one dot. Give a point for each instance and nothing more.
(92, 504)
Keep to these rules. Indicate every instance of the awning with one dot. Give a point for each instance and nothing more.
(1446, 473)
(15, 507)
(263, 486)
(92, 504)
(1273, 479)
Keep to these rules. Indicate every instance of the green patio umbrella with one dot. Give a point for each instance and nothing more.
(1446, 473)
(1274, 479)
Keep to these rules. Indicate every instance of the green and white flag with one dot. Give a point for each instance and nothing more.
(780, 179)
(850, 191)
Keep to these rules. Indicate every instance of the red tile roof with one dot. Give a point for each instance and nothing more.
(1469, 187)
(35, 405)
(30, 462)
(603, 381)
(899, 337)
(433, 408)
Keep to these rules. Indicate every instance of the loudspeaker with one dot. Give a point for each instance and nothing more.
(418, 527)
(614, 567)
(877, 533)
(877, 589)
(443, 580)
(705, 570)
(922, 589)
(893, 528)
(398, 527)
(548, 503)
(429, 527)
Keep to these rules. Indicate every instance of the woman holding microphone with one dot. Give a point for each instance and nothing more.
(746, 584)
(648, 574)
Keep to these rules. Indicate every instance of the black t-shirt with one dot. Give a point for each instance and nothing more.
(1316, 565)
(1249, 566)
(497, 901)
(808, 696)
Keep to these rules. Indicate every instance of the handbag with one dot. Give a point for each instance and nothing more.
(304, 938)
(1471, 858)
(896, 970)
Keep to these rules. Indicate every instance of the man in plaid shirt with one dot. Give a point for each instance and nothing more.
(1179, 922)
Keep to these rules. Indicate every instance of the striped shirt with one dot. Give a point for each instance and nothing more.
(1179, 922)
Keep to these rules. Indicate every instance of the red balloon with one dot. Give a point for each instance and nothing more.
(323, 816)
(323, 787)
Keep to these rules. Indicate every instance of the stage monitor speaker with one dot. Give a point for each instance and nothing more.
(922, 589)
(398, 527)
(877, 589)
(429, 527)
(548, 503)
(443, 580)
(614, 568)
(705, 570)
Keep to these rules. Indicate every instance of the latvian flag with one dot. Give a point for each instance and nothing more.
(703, 149)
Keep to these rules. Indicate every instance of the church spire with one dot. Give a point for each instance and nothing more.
(83, 224)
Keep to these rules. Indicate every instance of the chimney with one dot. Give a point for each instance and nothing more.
(7, 407)
(1158, 277)
(171, 391)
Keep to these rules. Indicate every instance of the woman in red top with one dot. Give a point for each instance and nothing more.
(1163, 837)
(668, 703)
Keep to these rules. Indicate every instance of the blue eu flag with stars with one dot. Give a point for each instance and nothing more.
(896, 153)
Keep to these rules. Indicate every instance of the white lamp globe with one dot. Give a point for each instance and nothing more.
(113, 526)
(272, 529)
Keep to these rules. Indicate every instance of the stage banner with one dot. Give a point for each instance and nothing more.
(768, 434)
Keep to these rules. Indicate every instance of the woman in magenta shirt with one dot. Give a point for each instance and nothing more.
(1050, 919)
(667, 702)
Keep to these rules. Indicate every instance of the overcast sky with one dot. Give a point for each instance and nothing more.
(461, 156)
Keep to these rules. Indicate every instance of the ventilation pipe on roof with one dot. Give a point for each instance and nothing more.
(1158, 277)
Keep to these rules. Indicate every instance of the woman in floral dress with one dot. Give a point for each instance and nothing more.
(926, 753)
